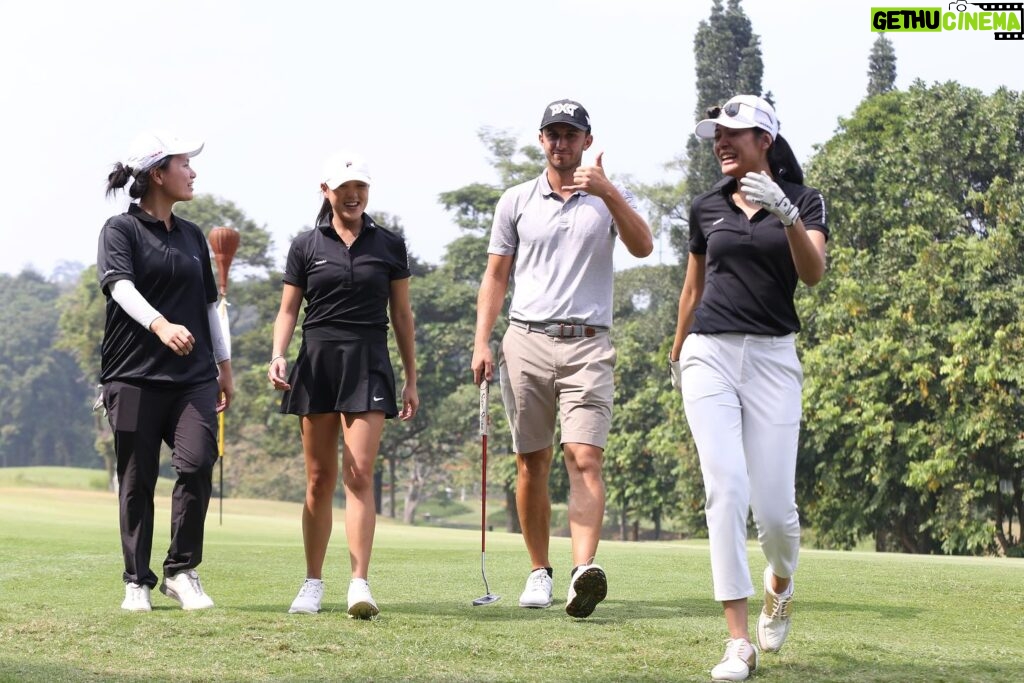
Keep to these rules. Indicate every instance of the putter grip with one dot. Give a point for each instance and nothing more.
(484, 390)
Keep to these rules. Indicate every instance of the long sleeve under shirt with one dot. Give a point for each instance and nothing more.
(171, 269)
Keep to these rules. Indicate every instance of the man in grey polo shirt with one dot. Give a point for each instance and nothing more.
(553, 237)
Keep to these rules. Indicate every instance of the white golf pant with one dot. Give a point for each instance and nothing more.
(742, 395)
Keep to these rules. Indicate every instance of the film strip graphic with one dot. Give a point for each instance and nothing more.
(1000, 7)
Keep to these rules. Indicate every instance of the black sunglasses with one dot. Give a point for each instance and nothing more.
(731, 109)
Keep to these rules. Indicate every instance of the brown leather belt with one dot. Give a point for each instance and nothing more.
(560, 329)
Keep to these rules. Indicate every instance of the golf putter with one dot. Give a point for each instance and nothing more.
(484, 423)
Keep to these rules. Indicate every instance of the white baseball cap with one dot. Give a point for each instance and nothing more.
(742, 111)
(343, 167)
(152, 147)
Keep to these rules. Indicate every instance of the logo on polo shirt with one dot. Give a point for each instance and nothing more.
(320, 262)
(1002, 19)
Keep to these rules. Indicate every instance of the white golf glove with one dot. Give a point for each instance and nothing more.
(676, 372)
(760, 189)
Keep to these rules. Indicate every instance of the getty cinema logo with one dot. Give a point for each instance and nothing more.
(1003, 19)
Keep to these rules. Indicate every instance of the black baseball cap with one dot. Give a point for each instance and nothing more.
(566, 111)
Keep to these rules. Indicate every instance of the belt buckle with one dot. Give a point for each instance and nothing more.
(569, 330)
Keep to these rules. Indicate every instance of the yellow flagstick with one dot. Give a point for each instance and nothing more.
(223, 243)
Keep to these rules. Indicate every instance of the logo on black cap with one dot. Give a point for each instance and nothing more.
(566, 111)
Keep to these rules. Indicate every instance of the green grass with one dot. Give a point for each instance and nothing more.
(858, 616)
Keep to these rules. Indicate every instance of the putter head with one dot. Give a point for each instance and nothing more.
(486, 599)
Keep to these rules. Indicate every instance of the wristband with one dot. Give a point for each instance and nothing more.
(280, 355)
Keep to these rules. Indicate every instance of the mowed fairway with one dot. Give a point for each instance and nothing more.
(858, 616)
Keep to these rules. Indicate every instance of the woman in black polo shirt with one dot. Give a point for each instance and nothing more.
(752, 237)
(350, 271)
(165, 367)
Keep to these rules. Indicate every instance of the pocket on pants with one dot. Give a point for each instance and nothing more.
(787, 377)
(122, 402)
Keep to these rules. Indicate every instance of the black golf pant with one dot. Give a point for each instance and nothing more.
(185, 418)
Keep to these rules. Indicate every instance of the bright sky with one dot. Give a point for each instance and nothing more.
(275, 87)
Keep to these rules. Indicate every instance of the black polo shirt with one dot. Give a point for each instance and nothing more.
(750, 277)
(171, 269)
(346, 286)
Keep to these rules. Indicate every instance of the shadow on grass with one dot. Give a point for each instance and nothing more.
(35, 671)
(609, 612)
(871, 665)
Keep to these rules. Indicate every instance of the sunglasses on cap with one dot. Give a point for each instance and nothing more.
(730, 109)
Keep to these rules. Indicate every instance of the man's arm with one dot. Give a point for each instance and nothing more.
(489, 301)
(633, 229)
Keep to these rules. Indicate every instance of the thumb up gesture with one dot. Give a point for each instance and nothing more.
(591, 179)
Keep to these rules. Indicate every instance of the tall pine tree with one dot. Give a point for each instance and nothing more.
(728, 62)
(881, 66)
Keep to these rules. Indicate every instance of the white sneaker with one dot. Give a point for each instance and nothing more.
(360, 603)
(739, 661)
(537, 593)
(309, 597)
(187, 590)
(773, 623)
(136, 598)
(587, 587)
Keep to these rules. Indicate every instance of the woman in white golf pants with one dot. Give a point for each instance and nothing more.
(742, 399)
(753, 236)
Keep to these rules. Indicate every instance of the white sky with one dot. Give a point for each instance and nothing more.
(275, 87)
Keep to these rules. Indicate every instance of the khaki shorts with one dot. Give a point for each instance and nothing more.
(542, 375)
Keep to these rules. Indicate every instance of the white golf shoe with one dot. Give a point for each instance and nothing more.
(361, 604)
(136, 598)
(537, 593)
(739, 661)
(773, 623)
(187, 590)
(309, 597)
(588, 586)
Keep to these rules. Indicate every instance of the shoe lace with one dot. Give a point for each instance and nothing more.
(309, 589)
(193, 579)
(738, 648)
(780, 606)
(538, 580)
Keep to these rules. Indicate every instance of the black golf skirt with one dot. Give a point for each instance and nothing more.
(341, 371)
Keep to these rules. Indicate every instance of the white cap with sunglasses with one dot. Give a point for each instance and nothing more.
(742, 111)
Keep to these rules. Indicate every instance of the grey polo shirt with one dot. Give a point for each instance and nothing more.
(563, 252)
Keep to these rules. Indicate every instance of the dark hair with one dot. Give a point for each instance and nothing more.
(326, 212)
(121, 174)
(783, 163)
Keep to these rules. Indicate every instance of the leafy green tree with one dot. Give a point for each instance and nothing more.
(728, 62)
(80, 333)
(473, 204)
(647, 449)
(913, 390)
(881, 66)
(44, 415)
(208, 211)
